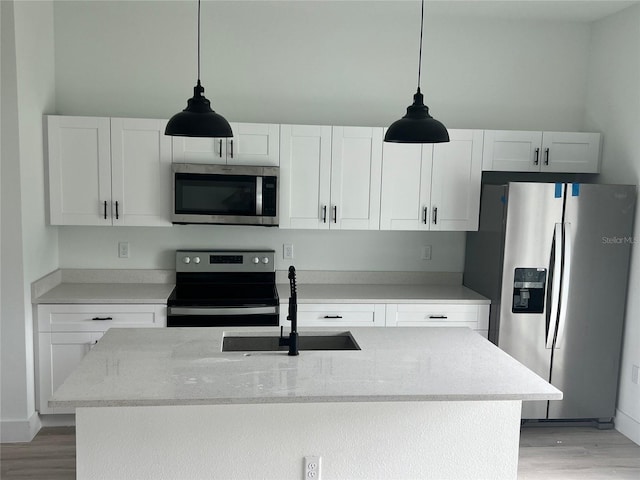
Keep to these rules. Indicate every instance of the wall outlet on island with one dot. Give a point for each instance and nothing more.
(634, 373)
(312, 468)
(426, 252)
(123, 249)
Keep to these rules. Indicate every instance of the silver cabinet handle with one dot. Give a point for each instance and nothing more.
(424, 215)
(438, 316)
(537, 160)
(324, 214)
(335, 214)
(220, 148)
(105, 209)
(232, 148)
(332, 316)
(435, 215)
(101, 318)
(546, 156)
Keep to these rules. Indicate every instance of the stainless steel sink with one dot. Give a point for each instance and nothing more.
(339, 341)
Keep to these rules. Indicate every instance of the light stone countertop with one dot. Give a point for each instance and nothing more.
(107, 293)
(185, 366)
(380, 293)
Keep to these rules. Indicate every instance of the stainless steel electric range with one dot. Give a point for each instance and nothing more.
(220, 288)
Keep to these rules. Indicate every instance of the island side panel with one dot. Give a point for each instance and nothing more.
(377, 440)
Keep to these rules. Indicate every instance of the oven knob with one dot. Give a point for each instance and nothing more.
(256, 260)
(196, 260)
(265, 260)
(186, 260)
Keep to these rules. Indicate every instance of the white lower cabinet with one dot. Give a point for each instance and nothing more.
(66, 333)
(474, 316)
(336, 315)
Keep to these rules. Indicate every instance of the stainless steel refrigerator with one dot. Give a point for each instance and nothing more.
(554, 260)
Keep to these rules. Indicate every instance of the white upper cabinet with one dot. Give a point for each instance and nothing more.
(330, 177)
(251, 144)
(305, 176)
(455, 181)
(140, 172)
(525, 151)
(406, 186)
(356, 170)
(108, 171)
(432, 186)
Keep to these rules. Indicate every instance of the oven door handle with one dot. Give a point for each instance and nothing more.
(223, 310)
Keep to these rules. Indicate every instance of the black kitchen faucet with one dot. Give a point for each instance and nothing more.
(292, 341)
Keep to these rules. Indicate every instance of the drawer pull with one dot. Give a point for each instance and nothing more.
(102, 318)
(438, 316)
(333, 316)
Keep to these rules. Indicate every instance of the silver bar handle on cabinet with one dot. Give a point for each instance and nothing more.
(546, 156)
(555, 287)
(332, 316)
(424, 215)
(438, 316)
(435, 215)
(232, 148)
(335, 214)
(220, 148)
(221, 310)
(324, 214)
(537, 160)
(117, 214)
(105, 209)
(566, 275)
(259, 195)
(101, 318)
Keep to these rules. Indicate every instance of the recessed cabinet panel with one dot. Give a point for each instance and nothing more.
(512, 150)
(571, 152)
(199, 150)
(79, 170)
(305, 176)
(406, 186)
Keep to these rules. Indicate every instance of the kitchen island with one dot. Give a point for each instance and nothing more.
(411, 403)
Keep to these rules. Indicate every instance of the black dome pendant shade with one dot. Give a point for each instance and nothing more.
(198, 119)
(417, 126)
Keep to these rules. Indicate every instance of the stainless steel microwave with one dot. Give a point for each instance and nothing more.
(225, 194)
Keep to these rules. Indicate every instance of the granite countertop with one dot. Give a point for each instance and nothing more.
(382, 293)
(185, 366)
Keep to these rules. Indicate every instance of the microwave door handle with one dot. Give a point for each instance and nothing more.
(259, 181)
(555, 287)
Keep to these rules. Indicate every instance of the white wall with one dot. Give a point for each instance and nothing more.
(29, 247)
(349, 63)
(613, 107)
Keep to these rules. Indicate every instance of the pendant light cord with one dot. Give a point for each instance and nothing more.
(420, 55)
(198, 42)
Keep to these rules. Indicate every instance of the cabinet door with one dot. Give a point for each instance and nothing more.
(305, 175)
(97, 317)
(570, 152)
(337, 315)
(58, 355)
(512, 151)
(199, 150)
(455, 181)
(356, 171)
(141, 172)
(79, 170)
(254, 144)
(406, 186)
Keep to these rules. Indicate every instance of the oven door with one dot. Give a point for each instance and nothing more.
(243, 316)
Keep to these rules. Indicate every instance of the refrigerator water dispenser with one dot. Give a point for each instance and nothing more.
(528, 290)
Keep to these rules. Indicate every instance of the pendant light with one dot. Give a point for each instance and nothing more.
(198, 119)
(417, 126)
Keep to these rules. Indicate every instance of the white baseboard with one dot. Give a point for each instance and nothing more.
(628, 426)
(58, 420)
(14, 431)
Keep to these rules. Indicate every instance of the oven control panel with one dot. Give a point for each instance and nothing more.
(225, 261)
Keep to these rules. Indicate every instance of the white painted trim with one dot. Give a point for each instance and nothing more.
(58, 420)
(627, 426)
(13, 431)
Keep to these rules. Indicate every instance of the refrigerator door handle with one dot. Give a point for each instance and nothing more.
(566, 275)
(555, 287)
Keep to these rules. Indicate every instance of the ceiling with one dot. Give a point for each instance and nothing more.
(552, 10)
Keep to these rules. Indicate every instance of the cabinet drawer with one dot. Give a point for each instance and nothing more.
(433, 315)
(339, 315)
(99, 318)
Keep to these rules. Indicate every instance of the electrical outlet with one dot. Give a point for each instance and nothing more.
(634, 373)
(287, 251)
(426, 252)
(312, 468)
(123, 249)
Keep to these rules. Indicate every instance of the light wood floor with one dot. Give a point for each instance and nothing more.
(549, 453)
